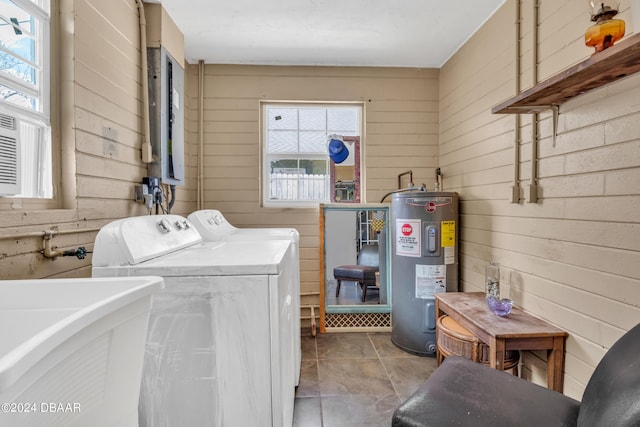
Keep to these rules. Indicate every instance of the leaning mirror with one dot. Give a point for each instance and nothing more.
(354, 266)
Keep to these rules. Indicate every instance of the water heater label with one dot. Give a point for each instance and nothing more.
(408, 237)
(430, 279)
(448, 233)
(450, 255)
(448, 241)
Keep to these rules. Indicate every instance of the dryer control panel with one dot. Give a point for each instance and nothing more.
(212, 224)
(130, 241)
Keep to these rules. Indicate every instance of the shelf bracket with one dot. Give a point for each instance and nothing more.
(556, 112)
(533, 109)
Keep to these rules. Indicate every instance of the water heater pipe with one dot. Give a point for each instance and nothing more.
(410, 173)
(147, 152)
(438, 180)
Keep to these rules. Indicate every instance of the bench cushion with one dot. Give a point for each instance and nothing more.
(464, 393)
(359, 273)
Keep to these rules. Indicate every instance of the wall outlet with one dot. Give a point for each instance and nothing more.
(143, 195)
(139, 191)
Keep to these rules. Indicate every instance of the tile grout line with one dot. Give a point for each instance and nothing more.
(386, 371)
(315, 343)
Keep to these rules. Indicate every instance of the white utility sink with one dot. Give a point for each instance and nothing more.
(71, 350)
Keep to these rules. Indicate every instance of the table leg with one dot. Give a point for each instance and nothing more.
(496, 353)
(438, 314)
(555, 365)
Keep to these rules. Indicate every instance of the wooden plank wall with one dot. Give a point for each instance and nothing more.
(107, 130)
(401, 110)
(571, 258)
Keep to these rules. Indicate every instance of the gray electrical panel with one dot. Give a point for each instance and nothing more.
(166, 109)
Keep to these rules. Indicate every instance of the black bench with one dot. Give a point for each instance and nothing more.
(464, 393)
(364, 272)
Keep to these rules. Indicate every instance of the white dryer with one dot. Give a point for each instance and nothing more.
(214, 227)
(218, 349)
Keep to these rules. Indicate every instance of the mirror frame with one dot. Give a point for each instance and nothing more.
(356, 171)
(355, 310)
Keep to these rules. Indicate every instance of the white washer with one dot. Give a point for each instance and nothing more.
(214, 227)
(218, 349)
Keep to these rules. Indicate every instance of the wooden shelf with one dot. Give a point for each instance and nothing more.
(616, 62)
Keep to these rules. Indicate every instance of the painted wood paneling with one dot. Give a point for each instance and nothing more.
(107, 132)
(401, 111)
(572, 257)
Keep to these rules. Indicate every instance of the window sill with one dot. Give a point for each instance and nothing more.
(289, 204)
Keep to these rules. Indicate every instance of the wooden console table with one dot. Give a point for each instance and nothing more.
(518, 331)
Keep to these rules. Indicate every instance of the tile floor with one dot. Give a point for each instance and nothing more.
(355, 380)
(350, 294)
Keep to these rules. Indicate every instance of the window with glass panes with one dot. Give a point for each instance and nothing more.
(296, 158)
(24, 88)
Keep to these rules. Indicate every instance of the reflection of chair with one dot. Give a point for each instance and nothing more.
(364, 272)
(461, 392)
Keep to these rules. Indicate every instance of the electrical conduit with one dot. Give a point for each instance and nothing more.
(200, 191)
(533, 187)
(147, 152)
(515, 188)
(68, 187)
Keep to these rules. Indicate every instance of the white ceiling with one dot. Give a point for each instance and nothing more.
(394, 33)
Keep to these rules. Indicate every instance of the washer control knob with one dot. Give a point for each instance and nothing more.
(164, 226)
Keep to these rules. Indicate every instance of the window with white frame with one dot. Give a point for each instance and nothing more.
(296, 163)
(25, 132)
